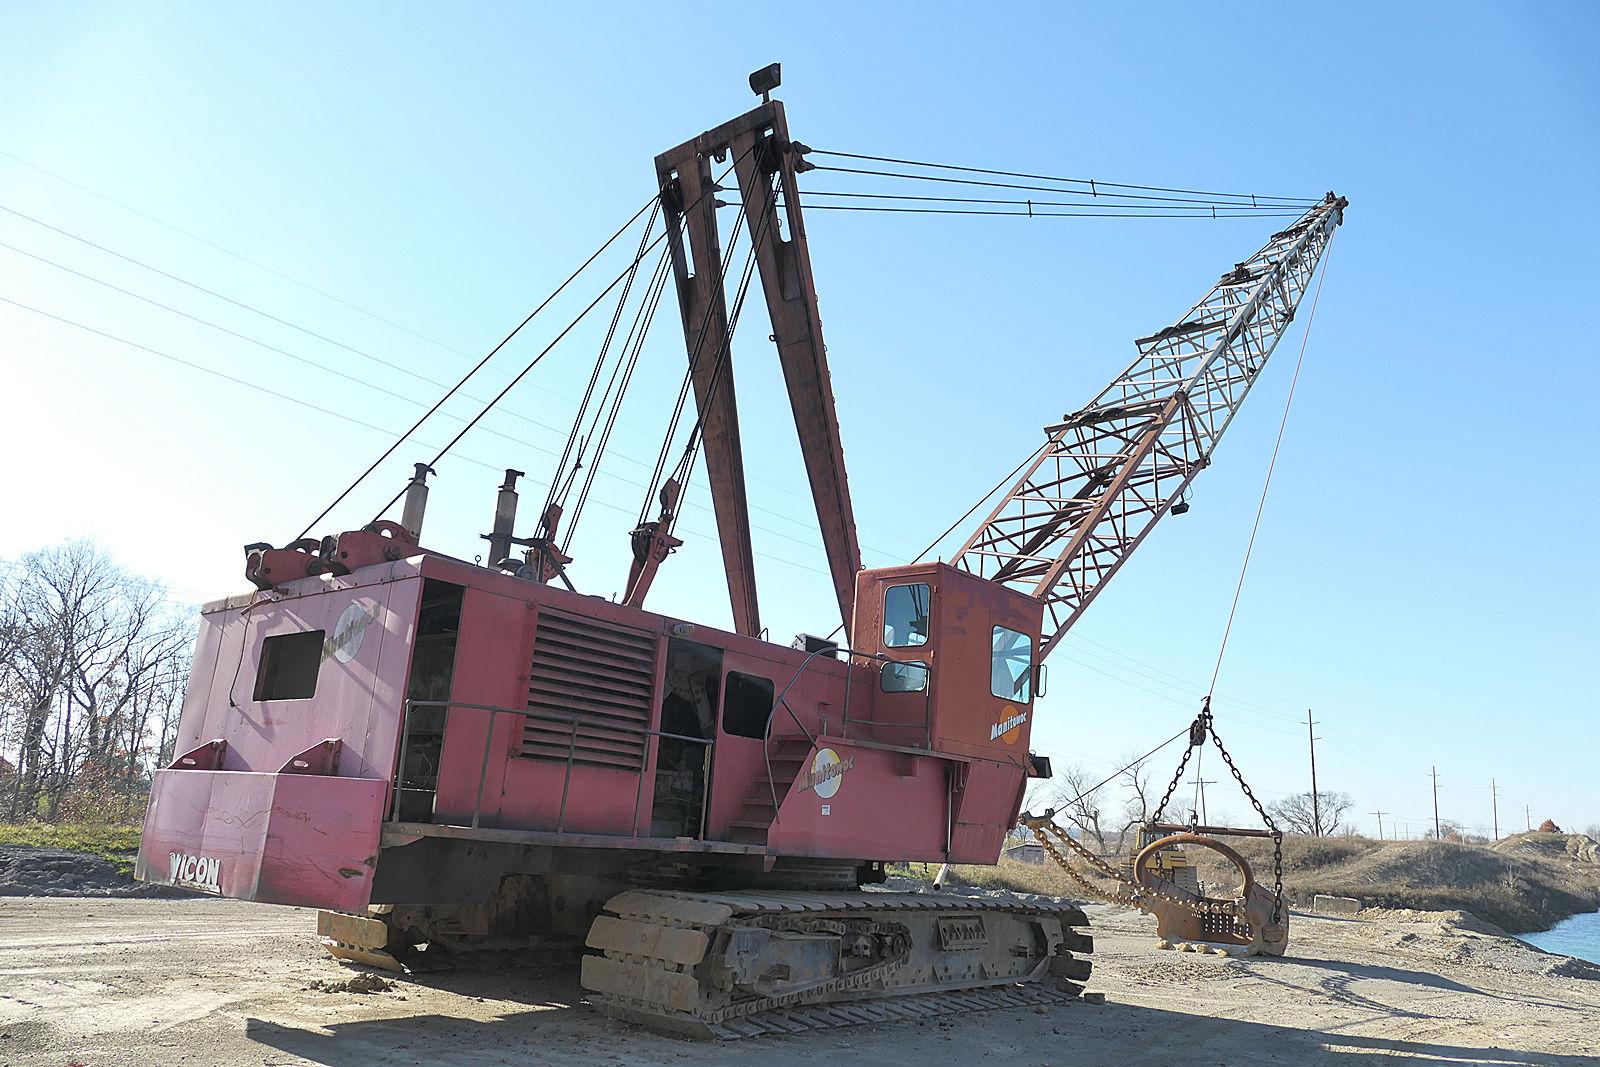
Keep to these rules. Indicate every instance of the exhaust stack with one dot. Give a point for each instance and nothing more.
(416, 502)
(505, 519)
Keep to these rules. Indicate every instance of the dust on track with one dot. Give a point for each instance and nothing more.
(199, 981)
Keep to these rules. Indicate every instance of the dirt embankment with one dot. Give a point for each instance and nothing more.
(1521, 883)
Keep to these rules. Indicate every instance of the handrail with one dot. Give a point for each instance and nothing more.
(830, 650)
(572, 720)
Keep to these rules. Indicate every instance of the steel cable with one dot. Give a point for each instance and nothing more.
(1271, 467)
(1092, 183)
(560, 471)
(475, 369)
(520, 374)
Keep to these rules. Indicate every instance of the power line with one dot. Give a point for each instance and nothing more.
(213, 325)
(230, 252)
(340, 344)
(195, 366)
(519, 442)
(352, 349)
(1077, 632)
(480, 364)
(347, 418)
(212, 292)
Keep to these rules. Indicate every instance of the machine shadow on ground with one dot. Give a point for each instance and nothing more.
(574, 1033)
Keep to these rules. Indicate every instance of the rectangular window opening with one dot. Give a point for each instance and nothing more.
(903, 677)
(747, 703)
(905, 615)
(1011, 665)
(289, 664)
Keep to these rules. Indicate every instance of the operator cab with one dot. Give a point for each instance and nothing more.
(957, 656)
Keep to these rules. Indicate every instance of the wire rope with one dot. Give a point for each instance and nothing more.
(1090, 182)
(1272, 464)
(475, 369)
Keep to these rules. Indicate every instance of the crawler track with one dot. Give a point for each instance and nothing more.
(731, 965)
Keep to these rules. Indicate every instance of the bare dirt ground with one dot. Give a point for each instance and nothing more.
(195, 981)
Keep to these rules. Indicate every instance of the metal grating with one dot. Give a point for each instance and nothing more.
(598, 673)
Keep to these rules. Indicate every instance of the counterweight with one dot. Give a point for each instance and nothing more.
(1107, 472)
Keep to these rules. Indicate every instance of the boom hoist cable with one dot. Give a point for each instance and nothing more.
(648, 205)
(692, 446)
(1090, 198)
(1089, 184)
(547, 560)
(652, 206)
(653, 540)
(610, 408)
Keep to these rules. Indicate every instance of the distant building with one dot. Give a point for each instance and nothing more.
(1027, 852)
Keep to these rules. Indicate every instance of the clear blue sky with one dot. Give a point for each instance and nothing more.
(1425, 577)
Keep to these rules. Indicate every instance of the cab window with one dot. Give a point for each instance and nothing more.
(1011, 665)
(898, 677)
(905, 615)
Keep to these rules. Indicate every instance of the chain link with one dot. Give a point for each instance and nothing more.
(1177, 776)
(1277, 834)
(1132, 894)
(1198, 731)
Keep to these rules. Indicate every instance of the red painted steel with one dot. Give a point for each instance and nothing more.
(301, 839)
(866, 776)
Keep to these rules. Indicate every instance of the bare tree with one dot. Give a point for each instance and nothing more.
(1139, 796)
(1298, 815)
(90, 656)
(1078, 799)
(55, 593)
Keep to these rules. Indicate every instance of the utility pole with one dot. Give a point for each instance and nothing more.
(1527, 813)
(1379, 814)
(1494, 801)
(1200, 784)
(1436, 803)
(1316, 806)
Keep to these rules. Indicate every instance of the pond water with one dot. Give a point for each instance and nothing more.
(1576, 936)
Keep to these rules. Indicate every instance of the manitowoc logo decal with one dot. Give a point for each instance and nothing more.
(827, 770)
(196, 872)
(1008, 728)
(345, 643)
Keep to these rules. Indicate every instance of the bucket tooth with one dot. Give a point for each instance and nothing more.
(366, 957)
(357, 939)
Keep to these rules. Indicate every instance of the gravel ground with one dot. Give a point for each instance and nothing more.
(200, 981)
(26, 871)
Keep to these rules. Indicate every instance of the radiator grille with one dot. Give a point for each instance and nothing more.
(602, 675)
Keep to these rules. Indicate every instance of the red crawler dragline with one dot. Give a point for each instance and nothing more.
(442, 755)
